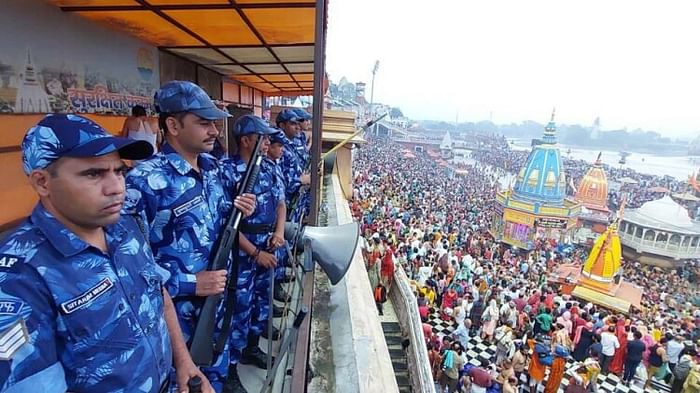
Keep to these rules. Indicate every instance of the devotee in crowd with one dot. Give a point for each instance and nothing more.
(434, 226)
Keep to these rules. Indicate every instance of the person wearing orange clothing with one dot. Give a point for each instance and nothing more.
(536, 370)
(556, 373)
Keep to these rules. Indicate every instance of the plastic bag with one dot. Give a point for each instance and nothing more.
(641, 373)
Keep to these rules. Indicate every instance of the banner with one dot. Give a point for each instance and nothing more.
(546, 222)
(70, 65)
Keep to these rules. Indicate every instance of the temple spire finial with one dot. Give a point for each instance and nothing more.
(554, 109)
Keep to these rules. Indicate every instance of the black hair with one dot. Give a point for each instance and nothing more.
(162, 124)
(138, 110)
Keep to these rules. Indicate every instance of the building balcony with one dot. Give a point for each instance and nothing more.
(665, 249)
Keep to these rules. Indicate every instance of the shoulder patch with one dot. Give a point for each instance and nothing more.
(7, 261)
(87, 297)
(12, 339)
(10, 306)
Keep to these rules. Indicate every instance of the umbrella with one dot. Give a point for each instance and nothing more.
(628, 180)
(659, 189)
(686, 196)
(408, 154)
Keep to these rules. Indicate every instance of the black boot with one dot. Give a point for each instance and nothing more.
(280, 294)
(252, 354)
(233, 382)
(277, 311)
(287, 278)
(275, 333)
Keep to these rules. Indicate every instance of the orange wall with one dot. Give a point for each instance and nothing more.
(16, 196)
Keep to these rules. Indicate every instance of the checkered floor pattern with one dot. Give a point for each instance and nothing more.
(478, 349)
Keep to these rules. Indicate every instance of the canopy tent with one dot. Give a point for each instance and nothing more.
(628, 180)
(408, 154)
(659, 189)
(686, 196)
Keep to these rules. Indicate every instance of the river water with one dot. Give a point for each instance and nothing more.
(679, 167)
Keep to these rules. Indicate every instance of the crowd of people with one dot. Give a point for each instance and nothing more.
(417, 216)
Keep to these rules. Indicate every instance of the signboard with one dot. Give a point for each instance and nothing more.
(546, 222)
(518, 217)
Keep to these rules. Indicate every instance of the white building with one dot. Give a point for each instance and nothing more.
(31, 97)
(660, 233)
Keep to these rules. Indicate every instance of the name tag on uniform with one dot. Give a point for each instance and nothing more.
(87, 297)
(187, 206)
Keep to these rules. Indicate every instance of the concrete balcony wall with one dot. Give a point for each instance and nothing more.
(348, 352)
(406, 308)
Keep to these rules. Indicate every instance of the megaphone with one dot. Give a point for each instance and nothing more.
(331, 247)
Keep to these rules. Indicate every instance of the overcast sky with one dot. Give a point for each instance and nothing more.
(634, 63)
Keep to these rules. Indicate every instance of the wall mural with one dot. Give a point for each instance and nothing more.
(33, 87)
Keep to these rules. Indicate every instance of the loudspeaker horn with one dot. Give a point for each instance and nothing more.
(331, 247)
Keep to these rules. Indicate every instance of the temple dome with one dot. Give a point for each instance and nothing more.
(542, 178)
(666, 210)
(593, 189)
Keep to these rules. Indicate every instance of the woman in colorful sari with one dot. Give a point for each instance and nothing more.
(618, 360)
(648, 340)
(582, 341)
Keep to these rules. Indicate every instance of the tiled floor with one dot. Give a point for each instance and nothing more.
(253, 377)
(478, 349)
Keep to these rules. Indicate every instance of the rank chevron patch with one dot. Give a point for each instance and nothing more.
(13, 339)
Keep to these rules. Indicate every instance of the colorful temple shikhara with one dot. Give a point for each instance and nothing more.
(592, 194)
(537, 208)
(600, 280)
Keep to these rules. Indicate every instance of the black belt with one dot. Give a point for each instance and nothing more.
(257, 228)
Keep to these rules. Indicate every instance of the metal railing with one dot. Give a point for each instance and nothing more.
(406, 308)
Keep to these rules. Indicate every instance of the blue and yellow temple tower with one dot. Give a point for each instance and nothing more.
(537, 207)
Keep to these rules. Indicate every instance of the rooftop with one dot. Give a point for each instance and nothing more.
(665, 214)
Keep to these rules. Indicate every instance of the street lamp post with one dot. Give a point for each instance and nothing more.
(371, 94)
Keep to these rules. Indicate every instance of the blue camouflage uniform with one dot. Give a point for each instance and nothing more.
(293, 163)
(300, 143)
(282, 255)
(89, 321)
(73, 317)
(253, 298)
(185, 211)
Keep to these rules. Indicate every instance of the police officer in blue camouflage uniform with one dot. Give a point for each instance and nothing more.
(81, 303)
(293, 163)
(264, 234)
(184, 196)
(302, 144)
(274, 155)
(305, 135)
